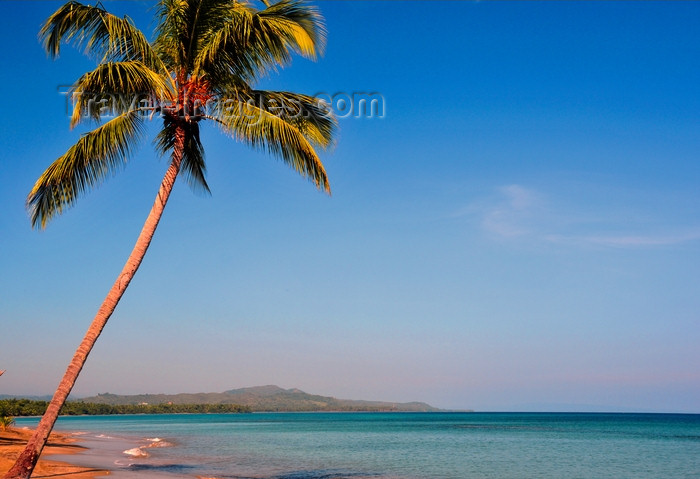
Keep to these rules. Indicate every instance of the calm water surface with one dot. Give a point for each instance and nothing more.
(392, 445)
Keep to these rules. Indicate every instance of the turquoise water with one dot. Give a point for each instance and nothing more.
(393, 445)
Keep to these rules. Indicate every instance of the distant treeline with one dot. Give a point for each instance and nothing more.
(28, 407)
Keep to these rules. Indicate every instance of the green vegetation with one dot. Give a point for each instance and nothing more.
(6, 422)
(254, 399)
(264, 398)
(27, 407)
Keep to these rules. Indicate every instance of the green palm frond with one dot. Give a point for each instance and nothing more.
(96, 155)
(246, 42)
(222, 48)
(180, 26)
(262, 129)
(300, 26)
(311, 116)
(193, 165)
(115, 87)
(99, 33)
(172, 23)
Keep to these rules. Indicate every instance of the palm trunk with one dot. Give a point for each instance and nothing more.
(24, 465)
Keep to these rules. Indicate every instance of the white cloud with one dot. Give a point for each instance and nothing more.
(519, 213)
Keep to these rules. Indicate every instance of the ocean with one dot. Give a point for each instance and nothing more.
(448, 445)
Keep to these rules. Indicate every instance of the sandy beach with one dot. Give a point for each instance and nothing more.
(13, 440)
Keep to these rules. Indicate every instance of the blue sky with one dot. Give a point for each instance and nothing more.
(521, 231)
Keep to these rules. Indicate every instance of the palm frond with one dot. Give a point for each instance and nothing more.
(182, 23)
(264, 130)
(100, 33)
(300, 25)
(172, 25)
(95, 156)
(311, 116)
(193, 165)
(222, 49)
(247, 43)
(115, 87)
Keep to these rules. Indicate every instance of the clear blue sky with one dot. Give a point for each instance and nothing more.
(520, 231)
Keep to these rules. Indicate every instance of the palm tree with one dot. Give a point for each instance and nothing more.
(201, 65)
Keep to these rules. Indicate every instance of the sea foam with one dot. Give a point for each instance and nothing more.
(158, 442)
(136, 452)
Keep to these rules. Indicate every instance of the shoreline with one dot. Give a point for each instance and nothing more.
(13, 440)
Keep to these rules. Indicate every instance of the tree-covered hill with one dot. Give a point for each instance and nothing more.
(263, 398)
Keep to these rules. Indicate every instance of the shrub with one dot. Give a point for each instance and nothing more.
(6, 422)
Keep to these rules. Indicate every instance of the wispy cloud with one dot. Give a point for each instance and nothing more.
(639, 240)
(512, 214)
(515, 212)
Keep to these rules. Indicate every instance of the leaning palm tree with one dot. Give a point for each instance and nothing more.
(205, 56)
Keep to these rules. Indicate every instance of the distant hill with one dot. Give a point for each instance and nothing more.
(262, 398)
